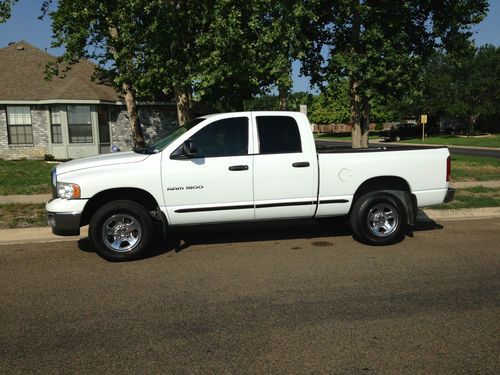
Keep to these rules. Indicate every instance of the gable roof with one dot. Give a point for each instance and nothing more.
(22, 78)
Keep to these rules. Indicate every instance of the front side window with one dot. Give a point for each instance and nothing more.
(278, 135)
(228, 137)
(79, 124)
(19, 125)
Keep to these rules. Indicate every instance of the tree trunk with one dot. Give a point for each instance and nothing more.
(360, 109)
(365, 121)
(184, 101)
(360, 116)
(129, 95)
(284, 84)
(472, 124)
(283, 99)
(135, 124)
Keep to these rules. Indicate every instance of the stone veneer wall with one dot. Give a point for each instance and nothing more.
(156, 122)
(39, 123)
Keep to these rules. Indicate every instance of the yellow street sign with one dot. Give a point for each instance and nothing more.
(423, 119)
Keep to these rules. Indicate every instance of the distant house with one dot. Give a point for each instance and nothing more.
(68, 118)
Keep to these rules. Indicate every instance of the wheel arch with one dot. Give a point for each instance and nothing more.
(393, 185)
(133, 194)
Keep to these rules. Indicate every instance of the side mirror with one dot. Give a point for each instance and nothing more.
(114, 148)
(189, 148)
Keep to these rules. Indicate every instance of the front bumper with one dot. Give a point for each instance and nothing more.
(64, 223)
(450, 194)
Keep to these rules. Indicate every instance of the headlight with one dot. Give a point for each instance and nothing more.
(67, 190)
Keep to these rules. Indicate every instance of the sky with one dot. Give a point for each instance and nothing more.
(25, 25)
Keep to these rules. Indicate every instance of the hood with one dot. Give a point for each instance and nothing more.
(100, 161)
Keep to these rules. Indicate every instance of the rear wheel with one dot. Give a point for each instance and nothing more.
(378, 219)
(121, 230)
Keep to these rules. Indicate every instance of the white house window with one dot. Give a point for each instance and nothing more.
(55, 125)
(19, 125)
(79, 124)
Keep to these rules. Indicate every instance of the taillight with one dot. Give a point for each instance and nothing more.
(448, 168)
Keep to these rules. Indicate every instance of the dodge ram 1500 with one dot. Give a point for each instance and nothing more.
(243, 166)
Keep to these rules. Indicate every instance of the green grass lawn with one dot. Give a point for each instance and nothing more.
(24, 177)
(491, 141)
(20, 215)
(474, 197)
(474, 168)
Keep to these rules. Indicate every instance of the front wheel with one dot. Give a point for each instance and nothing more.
(378, 219)
(121, 230)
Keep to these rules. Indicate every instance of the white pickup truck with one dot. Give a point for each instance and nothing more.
(243, 166)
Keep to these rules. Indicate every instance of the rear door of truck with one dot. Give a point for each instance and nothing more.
(285, 172)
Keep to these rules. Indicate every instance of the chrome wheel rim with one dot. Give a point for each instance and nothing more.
(121, 233)
(383, 220)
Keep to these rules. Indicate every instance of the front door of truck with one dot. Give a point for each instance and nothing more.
(215, 183)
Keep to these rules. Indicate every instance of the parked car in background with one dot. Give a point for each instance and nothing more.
(401, 131)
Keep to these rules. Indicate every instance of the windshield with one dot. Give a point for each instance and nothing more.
(160, 144)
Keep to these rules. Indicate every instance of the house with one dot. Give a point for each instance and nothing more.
(69, 117)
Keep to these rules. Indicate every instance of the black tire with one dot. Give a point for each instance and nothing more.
(121, 230)
(378, 218)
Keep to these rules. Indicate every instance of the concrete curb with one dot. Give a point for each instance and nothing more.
(44, 234)
(459, 214)
(36, 235)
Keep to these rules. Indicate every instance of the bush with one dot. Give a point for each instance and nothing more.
(49, 157)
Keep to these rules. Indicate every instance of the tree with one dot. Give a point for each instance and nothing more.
(173, 48)
(380, 47)
(110, 33)
(283, 39)
(463, 84)
(230, 64)
(248, 48)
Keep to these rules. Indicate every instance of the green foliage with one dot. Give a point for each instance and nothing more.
(463, 84)
(5, 9)
(331, 106)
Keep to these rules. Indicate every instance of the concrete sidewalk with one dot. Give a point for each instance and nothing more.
(36, 198)
(44, 234)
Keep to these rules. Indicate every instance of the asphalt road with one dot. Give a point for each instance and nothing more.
(453, 150)
(289, 298)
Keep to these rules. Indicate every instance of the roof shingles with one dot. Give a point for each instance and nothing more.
(22, 78)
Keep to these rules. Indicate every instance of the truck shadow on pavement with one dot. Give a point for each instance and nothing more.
(179, 239)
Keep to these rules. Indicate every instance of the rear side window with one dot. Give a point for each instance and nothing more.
(278, 135)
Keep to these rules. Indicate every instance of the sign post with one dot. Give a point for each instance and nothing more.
(423, 121)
